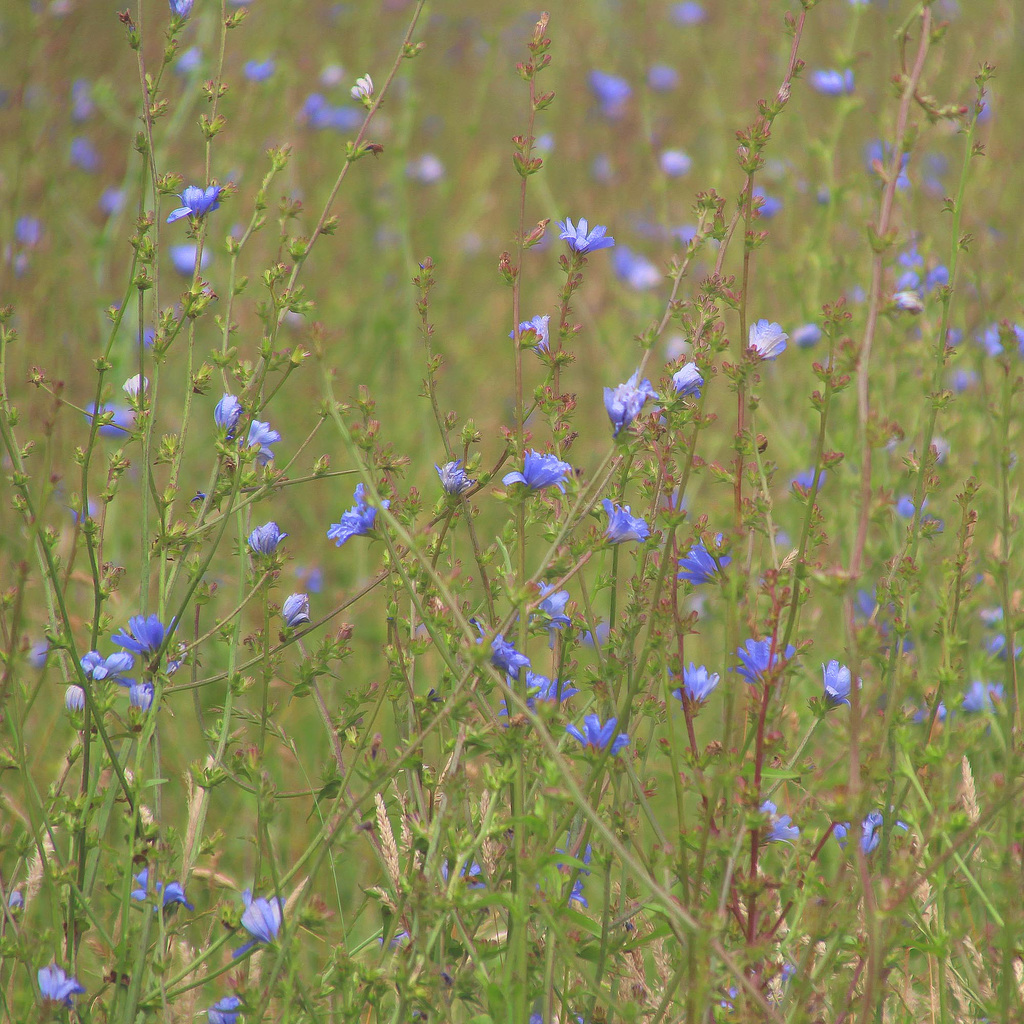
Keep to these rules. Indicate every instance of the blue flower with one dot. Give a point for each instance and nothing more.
(598, 736)
(189, 61)
(538, 327)
(227, 412)
(295, 610)
(84, 155)
(689, 12)
(830, 82)
(264, 539)
(261, 919)
(700, 566)
(581, 240)
(74, 698)
(674, 163)
(122, 422)
(805, 479)
(908, 301)
(836, 682)
(145, 635)
(698, 684)
(577, 886)
(113, 666)
(453, 477)
(871, 831)
(140, 695)
(553, 690)
(780, 828)
(16, 901)
(183, 258)
(111, 201)
(553, 606)
(470, 872)
(623, 403)
(56, 987)
(880, 154)
(758, 660)
(622, 526)
(539, 687)
(259, 70)
(687, 381)
(196, 202)
(261, 434)
(172, 894)
(767, 339)
(224, 1011)
(980, 696)
(506, 657)
(357, 521)
(610, 91)
(662, 77)
(636, 270)
(181, 8)
(82, 106)
(806, 335)
(540, 471)
(767, 206)
(426, 169)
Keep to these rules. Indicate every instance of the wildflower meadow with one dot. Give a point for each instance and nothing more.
(511, 516)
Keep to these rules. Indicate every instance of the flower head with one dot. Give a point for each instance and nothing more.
(181, 8)
(56, 987)
(540, 688)
(767, 339)
(674, 163)
(538, 328)
(553, 606)
(363, 90)
(830, 82)
(623, 403)
(908, 301)
(540, 471)
(758, 659)
(112, 666)
(196, 202)
(262, 435)
(582, 240)
(780, 828)
(134, 386)
(981, 695)
(145, 635)
(598, 736)
(611, 92)
(261, 919)
(295, 610)
(806, 335)
(698, 683)
(172, 894)
(16, 900)
(259, 70)
(224, 1011)
(227, 412)
(264, 539)
(505, 656)
(837, 683)
(453, 477)
(622, 526)
(140, 695)
(687, 381)
(74, 698)
(699, 565)
(358, 520)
